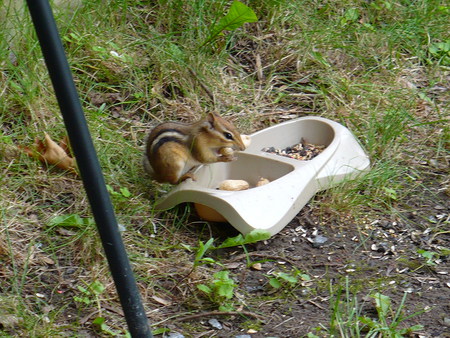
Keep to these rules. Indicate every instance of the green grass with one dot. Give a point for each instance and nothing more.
(372, 316)
(376, 67)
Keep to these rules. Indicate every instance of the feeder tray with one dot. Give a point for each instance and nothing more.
(292, 182)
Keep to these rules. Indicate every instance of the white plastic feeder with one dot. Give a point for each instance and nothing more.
(292, 182)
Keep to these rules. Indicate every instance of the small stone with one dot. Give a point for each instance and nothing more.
(319, 241)
(175, 335)
(232, 266)
(254, 288)
(9, 321)
(257, 266)
(215, 324)
(269, 149)
(243, 336)
(436, 164)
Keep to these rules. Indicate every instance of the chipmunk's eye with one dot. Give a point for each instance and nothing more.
(228, 135)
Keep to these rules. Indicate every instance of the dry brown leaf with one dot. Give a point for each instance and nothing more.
(49, 152)
(47, 260)
(162, 301)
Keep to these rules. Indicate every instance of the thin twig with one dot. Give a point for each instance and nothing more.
(206, 89)
(280, 258)
(315, 304)
(220, 313)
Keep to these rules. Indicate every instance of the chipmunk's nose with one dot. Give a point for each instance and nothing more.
(245, 142)
(241, 144)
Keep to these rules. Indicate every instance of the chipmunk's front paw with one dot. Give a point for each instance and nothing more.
(188, 175)
(226, 154)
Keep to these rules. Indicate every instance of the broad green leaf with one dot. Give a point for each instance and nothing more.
(175, 52)
(444, 251)
(369, 322)
(72, 220)
(351, 14)
(110, 189)
(383, 304)
(99, 321)
(204, 288)
(311, 335)
(100, 324)
(238, 15)
(97, 287)
(84, 300)
(226, 308)
(256, 236)
(207, 260)
(413, 328)
(429, 255)
(305, 277)
(225, 290)
(232, 241)
(82, 289)
(160, 330)
(275, 283)
(125, 192)
(391, 193)
(222, 275)
(287, 277)
(252, 237)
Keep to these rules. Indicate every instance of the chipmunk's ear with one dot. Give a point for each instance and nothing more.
(211, 118)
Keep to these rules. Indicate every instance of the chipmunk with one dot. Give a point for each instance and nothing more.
(174, 149)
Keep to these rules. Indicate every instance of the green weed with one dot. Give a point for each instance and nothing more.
(237, 16)
(287, 280)
(239, 240)
(388, 319)
(220, 290)
(90, 294)
(348, 318)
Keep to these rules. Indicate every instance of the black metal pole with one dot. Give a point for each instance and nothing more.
(89, 167)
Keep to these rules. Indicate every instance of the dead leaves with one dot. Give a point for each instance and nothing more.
(52, 153)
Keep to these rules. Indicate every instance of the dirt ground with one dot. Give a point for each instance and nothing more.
(375, 254)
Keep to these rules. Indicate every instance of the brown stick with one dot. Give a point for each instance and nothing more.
(206, 89)
(220, 313)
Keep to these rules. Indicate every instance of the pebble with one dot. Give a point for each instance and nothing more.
(215, 324)
(319, 240)
(174, 335)
(256, 266)
(254, 288)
